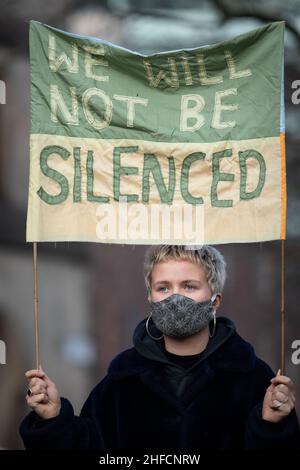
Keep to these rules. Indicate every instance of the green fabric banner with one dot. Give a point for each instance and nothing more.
(183, 146)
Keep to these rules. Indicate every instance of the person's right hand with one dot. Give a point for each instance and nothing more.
(44, 400)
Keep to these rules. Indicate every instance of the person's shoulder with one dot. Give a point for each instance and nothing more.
(122, 361)
(238, 354)
(259, 364)
(120, 366)
(263, 368)
(234, 353)
(125, 364)
(245, 349)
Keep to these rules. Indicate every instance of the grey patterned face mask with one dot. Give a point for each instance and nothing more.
(180, 316)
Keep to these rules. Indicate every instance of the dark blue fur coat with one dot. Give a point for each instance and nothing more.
(147, 401)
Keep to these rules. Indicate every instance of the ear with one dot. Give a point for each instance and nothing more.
(218, 300)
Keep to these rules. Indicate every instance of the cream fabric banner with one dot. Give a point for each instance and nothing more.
(240, 191)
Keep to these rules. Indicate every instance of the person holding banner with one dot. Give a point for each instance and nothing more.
(189, 381)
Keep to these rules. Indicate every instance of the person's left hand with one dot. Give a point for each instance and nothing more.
(279, 399)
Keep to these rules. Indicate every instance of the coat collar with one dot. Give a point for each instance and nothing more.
(235, 355)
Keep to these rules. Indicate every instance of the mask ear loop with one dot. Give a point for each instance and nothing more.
(214, 314)
(147, 328)
(214, 328)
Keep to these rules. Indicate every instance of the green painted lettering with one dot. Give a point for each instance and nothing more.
(184, 180)
(243, 157)
(54, 175)
(217, 177)
(151, 165)
(119, 170)
(90, 180)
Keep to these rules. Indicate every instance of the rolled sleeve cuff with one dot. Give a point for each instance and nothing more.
(34, 429)
(263, 434)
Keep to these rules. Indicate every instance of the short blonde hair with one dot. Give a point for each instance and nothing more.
(206, 256)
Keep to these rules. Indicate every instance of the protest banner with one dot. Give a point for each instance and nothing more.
(182, 146)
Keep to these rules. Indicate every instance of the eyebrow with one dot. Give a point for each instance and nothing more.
(182, 282)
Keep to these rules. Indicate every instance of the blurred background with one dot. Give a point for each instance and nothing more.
(91, 296)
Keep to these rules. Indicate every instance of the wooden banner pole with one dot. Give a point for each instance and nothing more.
(282, 311)
(36, 312)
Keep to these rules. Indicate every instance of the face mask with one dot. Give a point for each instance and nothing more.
(180, 316)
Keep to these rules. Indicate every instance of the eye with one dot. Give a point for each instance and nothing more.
(161, 289)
